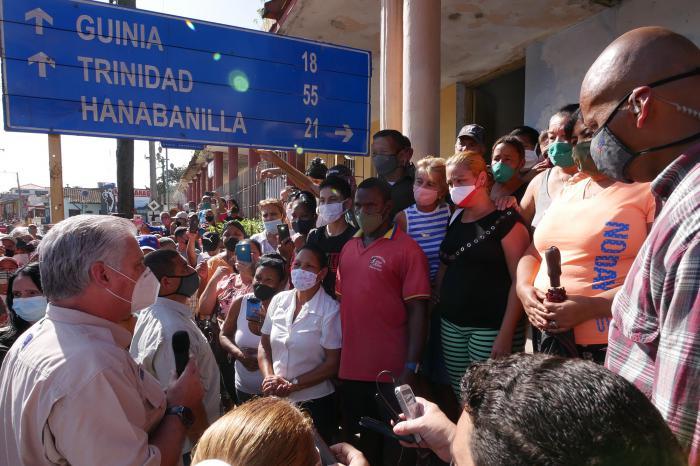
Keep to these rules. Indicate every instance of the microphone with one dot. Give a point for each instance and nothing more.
(181, 350)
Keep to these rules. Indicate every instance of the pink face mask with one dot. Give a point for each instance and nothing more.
(424, 196)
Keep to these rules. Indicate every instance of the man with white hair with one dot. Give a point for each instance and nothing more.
(69, 391)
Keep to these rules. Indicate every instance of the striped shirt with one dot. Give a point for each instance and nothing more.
(428, 230)
(654, 339)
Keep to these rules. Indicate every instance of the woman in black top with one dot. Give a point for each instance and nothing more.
(481, 314)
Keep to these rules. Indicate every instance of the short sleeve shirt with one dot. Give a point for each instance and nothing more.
(374, 284)
(598, 238)
(298, 345)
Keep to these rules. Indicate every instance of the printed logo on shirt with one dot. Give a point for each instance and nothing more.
(605, 266)
(377, 263)
(27, 339)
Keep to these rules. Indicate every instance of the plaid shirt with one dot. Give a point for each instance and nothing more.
(654, 337)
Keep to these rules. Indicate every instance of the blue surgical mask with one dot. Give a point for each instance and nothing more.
(612, 156)
(271, 226)
(30, 309)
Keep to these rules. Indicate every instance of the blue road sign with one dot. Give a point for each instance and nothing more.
(93, 69)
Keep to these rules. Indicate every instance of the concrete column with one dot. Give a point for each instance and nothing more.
(205, 179)
(195, 189)
(390, 66)
(218, 172)
(253, 159)
(421, 75)
(232, 174)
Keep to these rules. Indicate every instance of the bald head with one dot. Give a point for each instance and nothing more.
(648, 118)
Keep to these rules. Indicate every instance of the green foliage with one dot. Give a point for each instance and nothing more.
(252, 225)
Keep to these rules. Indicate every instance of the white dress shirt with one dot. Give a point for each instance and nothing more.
(298, 346)
(152, 348)
(71, 394)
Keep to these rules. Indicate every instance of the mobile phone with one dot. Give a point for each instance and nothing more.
(243, 253)
(327, 456)
(193, 223)
(282, 232)
(383, 429)
(409, 405)
(252, 311)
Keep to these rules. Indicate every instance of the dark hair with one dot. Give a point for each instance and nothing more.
(275, 262)
(316, 251)
(308, 200)
(210, 241)
(512, 141)
(161, 262)
(401, 141)
(534, 409)
(571, 124)
(380, 185)
(317, 169)
(17, 325)
(337, 183)
(528, 132)
(179, 231)
(568, 109)
(235, 224)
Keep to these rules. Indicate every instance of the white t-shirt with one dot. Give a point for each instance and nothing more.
(246, 381)
(298, 347)
(261, 238)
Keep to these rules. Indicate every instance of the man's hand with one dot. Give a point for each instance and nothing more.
(347, 455)
(433, 426)
(186, 390)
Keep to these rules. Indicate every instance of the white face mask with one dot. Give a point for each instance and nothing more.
(30, 309)
(460, 194)
(531, 159)
(145, 290)
(329, 213)
(303, 279)
(271, 226)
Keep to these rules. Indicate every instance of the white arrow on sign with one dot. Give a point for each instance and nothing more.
(347, 132)
(41, 59)
(39, 16)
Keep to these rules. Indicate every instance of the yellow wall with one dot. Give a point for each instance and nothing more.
(448, 119)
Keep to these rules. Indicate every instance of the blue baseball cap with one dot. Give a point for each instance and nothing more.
(148, 241)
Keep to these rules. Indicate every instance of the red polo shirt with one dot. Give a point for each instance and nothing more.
(374, 284)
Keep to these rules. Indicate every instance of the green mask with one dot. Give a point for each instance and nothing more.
(369, 223)
(582, 158)
(560, 154)
(502, 172)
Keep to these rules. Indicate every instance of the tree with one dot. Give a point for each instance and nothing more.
(173, 175)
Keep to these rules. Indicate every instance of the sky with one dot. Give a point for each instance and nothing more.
(86, 161)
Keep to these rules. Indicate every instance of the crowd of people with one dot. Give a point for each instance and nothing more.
(582, 239)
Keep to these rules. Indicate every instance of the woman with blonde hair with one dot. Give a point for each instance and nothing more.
(481, 313)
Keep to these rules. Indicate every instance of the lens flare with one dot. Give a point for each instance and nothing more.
(216, 56)
(238, 81)
(299, 150)
(190, 24)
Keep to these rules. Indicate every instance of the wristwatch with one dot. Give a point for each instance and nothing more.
(183, 412)
(413, 367)
(295, 381)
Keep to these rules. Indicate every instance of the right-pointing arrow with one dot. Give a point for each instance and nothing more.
(41, 59)
(346, 131)
(39, 16)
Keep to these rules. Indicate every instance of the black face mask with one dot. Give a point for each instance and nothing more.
(263, 292)
(9, 252)
(209, 218)
(230, 244)
(302, 226)
(188, 284)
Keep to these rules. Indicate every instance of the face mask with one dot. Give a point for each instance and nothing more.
(385, 164)
(145, 292)
(263, 292)
(30, 309)
(188, 284)
(271, 226)
(329, 213)
(206, 205)
(531, 159)
(302, 226)
(461, 194)
(424, 196)
(612, 156)
(303, 279)
(209, 218)
(560, 154)
(582, 158)
(369, 223)
(502, 172)
(230, 244)
(22, 259)
(9, 252)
